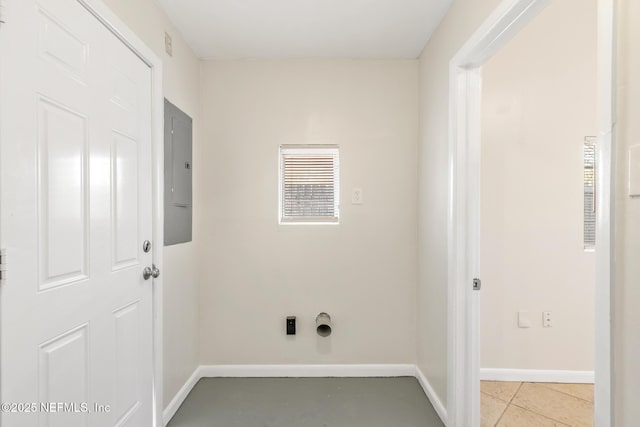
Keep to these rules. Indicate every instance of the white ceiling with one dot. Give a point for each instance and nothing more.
(232, 29)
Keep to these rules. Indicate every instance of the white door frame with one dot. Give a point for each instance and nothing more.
(605, 217)
(465, 90)
(114, 24)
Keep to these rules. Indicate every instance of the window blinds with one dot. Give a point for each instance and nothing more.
(309, 184)
(589, 158)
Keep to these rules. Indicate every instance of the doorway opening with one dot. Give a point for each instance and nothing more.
(465, 224)
(537, 222)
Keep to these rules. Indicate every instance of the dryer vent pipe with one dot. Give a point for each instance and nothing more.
(323, 324)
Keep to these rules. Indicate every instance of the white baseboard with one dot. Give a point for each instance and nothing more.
(441, 410)
(180, 396)
(537, 376)
(302, 371)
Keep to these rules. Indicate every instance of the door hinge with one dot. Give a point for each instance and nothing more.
(3, 265)
(1, 12)
(477, 284)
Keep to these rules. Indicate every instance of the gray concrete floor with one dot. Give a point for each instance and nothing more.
(306, 402)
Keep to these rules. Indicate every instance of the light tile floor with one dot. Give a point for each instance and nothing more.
(515, 404)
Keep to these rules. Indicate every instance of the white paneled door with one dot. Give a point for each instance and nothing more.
(76, 194)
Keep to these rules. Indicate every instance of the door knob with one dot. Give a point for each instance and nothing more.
(149, 272)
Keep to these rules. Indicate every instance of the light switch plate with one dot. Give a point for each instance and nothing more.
(634, 171)
(168, 44)
(524, 321)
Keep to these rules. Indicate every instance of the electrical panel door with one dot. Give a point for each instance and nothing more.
(178, 174)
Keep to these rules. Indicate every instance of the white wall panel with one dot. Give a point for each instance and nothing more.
(127, 325)
(61, 46)
(62, 144)
(63, 378)
(124, 195)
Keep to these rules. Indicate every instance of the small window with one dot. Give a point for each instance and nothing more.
(309, 184)
(589, 175)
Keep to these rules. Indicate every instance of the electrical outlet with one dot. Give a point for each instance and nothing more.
(546, 319)
(291, 325)
(356, 196)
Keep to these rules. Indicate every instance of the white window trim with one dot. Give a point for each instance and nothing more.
(310, 149)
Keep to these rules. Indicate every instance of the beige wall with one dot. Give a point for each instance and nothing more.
(627, 235)
(181, 75)
(460, 22)
(539, 101)
(362, 271)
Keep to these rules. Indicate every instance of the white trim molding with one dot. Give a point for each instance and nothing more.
(304, 371)
(441, 410)
(180, 396)
(605, 217)
(537, 376)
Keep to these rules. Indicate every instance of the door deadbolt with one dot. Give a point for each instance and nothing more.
(146, 246)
